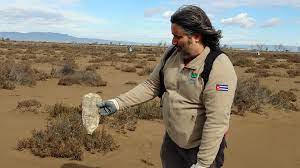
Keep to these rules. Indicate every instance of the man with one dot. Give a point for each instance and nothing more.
(195, 111)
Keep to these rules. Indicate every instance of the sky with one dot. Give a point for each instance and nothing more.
(148, 21)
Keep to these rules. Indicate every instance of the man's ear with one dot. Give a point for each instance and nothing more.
(197, 37)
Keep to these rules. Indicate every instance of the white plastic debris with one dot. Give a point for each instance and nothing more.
(90, 115)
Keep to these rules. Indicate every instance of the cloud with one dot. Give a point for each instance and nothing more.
(152, 11)
(272, 22)
(242, 19)
(221, 5)
(44, 16)
(69, 1)
(55, 17)
(167, 14)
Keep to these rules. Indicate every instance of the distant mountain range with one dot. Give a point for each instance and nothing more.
(57, 37)
(65, 38)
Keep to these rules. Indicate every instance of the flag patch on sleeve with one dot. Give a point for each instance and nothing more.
(221, 87)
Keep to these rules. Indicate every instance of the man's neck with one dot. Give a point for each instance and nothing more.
(193, 54)
(196, 51)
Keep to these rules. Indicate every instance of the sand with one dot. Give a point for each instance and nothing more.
(263, 141)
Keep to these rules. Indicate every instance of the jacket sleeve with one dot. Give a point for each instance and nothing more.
(145, 91)
(218, 98)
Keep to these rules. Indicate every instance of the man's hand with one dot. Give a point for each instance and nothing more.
(108, 107)
(197, 166)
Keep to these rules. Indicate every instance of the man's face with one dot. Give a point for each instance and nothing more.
(183, 41)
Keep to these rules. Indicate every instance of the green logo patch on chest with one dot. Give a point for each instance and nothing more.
(194, 75)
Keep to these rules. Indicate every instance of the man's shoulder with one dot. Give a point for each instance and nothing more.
(222, 59)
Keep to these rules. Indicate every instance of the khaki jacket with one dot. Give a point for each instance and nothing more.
(193, 115)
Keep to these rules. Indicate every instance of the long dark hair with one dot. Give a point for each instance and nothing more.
(195, 21)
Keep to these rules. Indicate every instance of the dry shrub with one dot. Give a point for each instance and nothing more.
(40, 75)
(141, 64)
(65, 137)
(47, 59)
(294, 59)
(244, 62)
(16, 73)
(54, 73)
(259, 73)
(268, 60)
(250, 96)
(67, 69)
(127, 118)
(122, 121)
(30, 105)
(263, 66)
(93, 67)
(128, 68)
(262, 74)
(284, 100)
(117, 66)
(148, 111)
(151, 59)
(147, 70)
(131, 60)
(131, 83)
(100, 142)
(293, 73)
(88, 78)
(5, 84)
(71, 61)
(96, 60)
(282, 65)
(62, 109)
